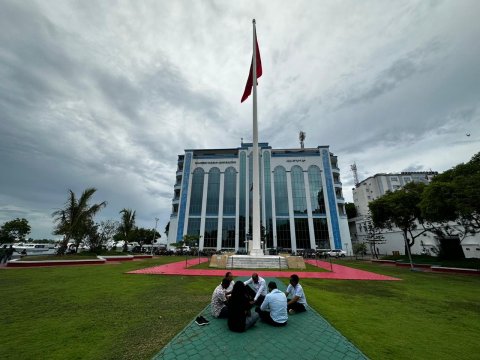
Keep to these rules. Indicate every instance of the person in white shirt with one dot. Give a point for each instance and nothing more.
(259, 291)
(219, 300)
(274, 308)
(298, 302)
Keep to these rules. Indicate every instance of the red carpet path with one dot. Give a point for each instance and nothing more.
(338, 272)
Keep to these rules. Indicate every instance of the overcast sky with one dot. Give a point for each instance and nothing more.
(106, 94)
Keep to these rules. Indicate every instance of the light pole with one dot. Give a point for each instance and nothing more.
(154, 233)
(198, 252)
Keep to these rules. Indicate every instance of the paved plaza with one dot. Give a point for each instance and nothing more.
(307, 336)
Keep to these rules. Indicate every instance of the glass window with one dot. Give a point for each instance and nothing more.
(228, 233)
(193, 226)
(196, 196)
(211, 230)
(268, 200)
(243, 180)
(281, 192)
(316, 190)
(320, 228)
(229, 191)
(283, 234)
(298, 191)
(302, 235)
(213, 192)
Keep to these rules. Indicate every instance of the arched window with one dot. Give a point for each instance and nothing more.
(317, 199)
(281, 192)
(229, 192)
(298, 191)
(196, 196)
(213, 192)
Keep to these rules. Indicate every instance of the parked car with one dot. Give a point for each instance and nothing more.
(337, 253)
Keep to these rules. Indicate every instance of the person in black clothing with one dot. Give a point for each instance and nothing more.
(240, 318)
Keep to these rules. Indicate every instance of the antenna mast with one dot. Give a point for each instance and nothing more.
(301, 136)
(353, 167)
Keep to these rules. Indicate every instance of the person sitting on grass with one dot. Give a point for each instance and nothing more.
(240, 318)
(298, 302)
(259, 291)
(219, 300)
(274, 308)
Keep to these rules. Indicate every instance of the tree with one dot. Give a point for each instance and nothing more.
(74, 220)
(99, 235)
(400, 209)
(359, 249)
(127, 226)
(452, 201)
(15, 230)
(145, 236)
(351, 210)
(373, 236)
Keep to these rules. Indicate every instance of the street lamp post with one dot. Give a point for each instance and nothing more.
(154, 233)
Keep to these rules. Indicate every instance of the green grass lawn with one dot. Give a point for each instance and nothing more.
(99, 312)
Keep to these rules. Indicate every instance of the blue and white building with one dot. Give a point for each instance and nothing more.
(301, 200)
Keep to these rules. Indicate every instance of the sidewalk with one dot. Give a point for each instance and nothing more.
(307, 336)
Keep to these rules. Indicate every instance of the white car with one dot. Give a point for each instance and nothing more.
(337, 253)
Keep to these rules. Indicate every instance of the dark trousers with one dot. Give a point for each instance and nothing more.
(297, 307)
(223, 313)
(251, 294)
(265, 316)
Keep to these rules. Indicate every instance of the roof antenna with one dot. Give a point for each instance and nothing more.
(301, 136)
(353, 167)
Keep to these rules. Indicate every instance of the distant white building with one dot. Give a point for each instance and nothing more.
(376, 186)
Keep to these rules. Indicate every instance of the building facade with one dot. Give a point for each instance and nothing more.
(301, 207)
(374, 187)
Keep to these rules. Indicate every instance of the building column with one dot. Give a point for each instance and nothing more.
(274, 211)
(293, 238)
(311, 230)
(237, 210)
(220, 211)
(204, 211)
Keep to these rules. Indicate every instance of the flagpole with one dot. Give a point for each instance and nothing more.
(256, 250)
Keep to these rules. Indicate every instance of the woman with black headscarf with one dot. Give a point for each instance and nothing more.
(240, 318)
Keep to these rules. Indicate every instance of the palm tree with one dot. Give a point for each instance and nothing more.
(127, 225)
(72, 221)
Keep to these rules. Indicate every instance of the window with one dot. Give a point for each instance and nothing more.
(316, 190)
(298, 191)
(281, 191)
(229, 192)
(393, 178)
(213, 191)
(196, 196)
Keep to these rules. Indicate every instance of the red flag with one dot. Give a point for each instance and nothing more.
(248, 87)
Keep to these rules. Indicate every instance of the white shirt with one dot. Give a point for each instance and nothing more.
(276, 303)
(218, 300)
(260, 287)
(297, 291)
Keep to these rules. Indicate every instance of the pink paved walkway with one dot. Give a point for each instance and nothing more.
(339, 272)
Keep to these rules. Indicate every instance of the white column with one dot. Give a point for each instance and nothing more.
(187, 205)
(204, 211)
(220, 211)
(237, 209)
(311, 230)
(290, 211)
(274, 210)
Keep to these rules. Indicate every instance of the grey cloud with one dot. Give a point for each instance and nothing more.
(417, 61)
